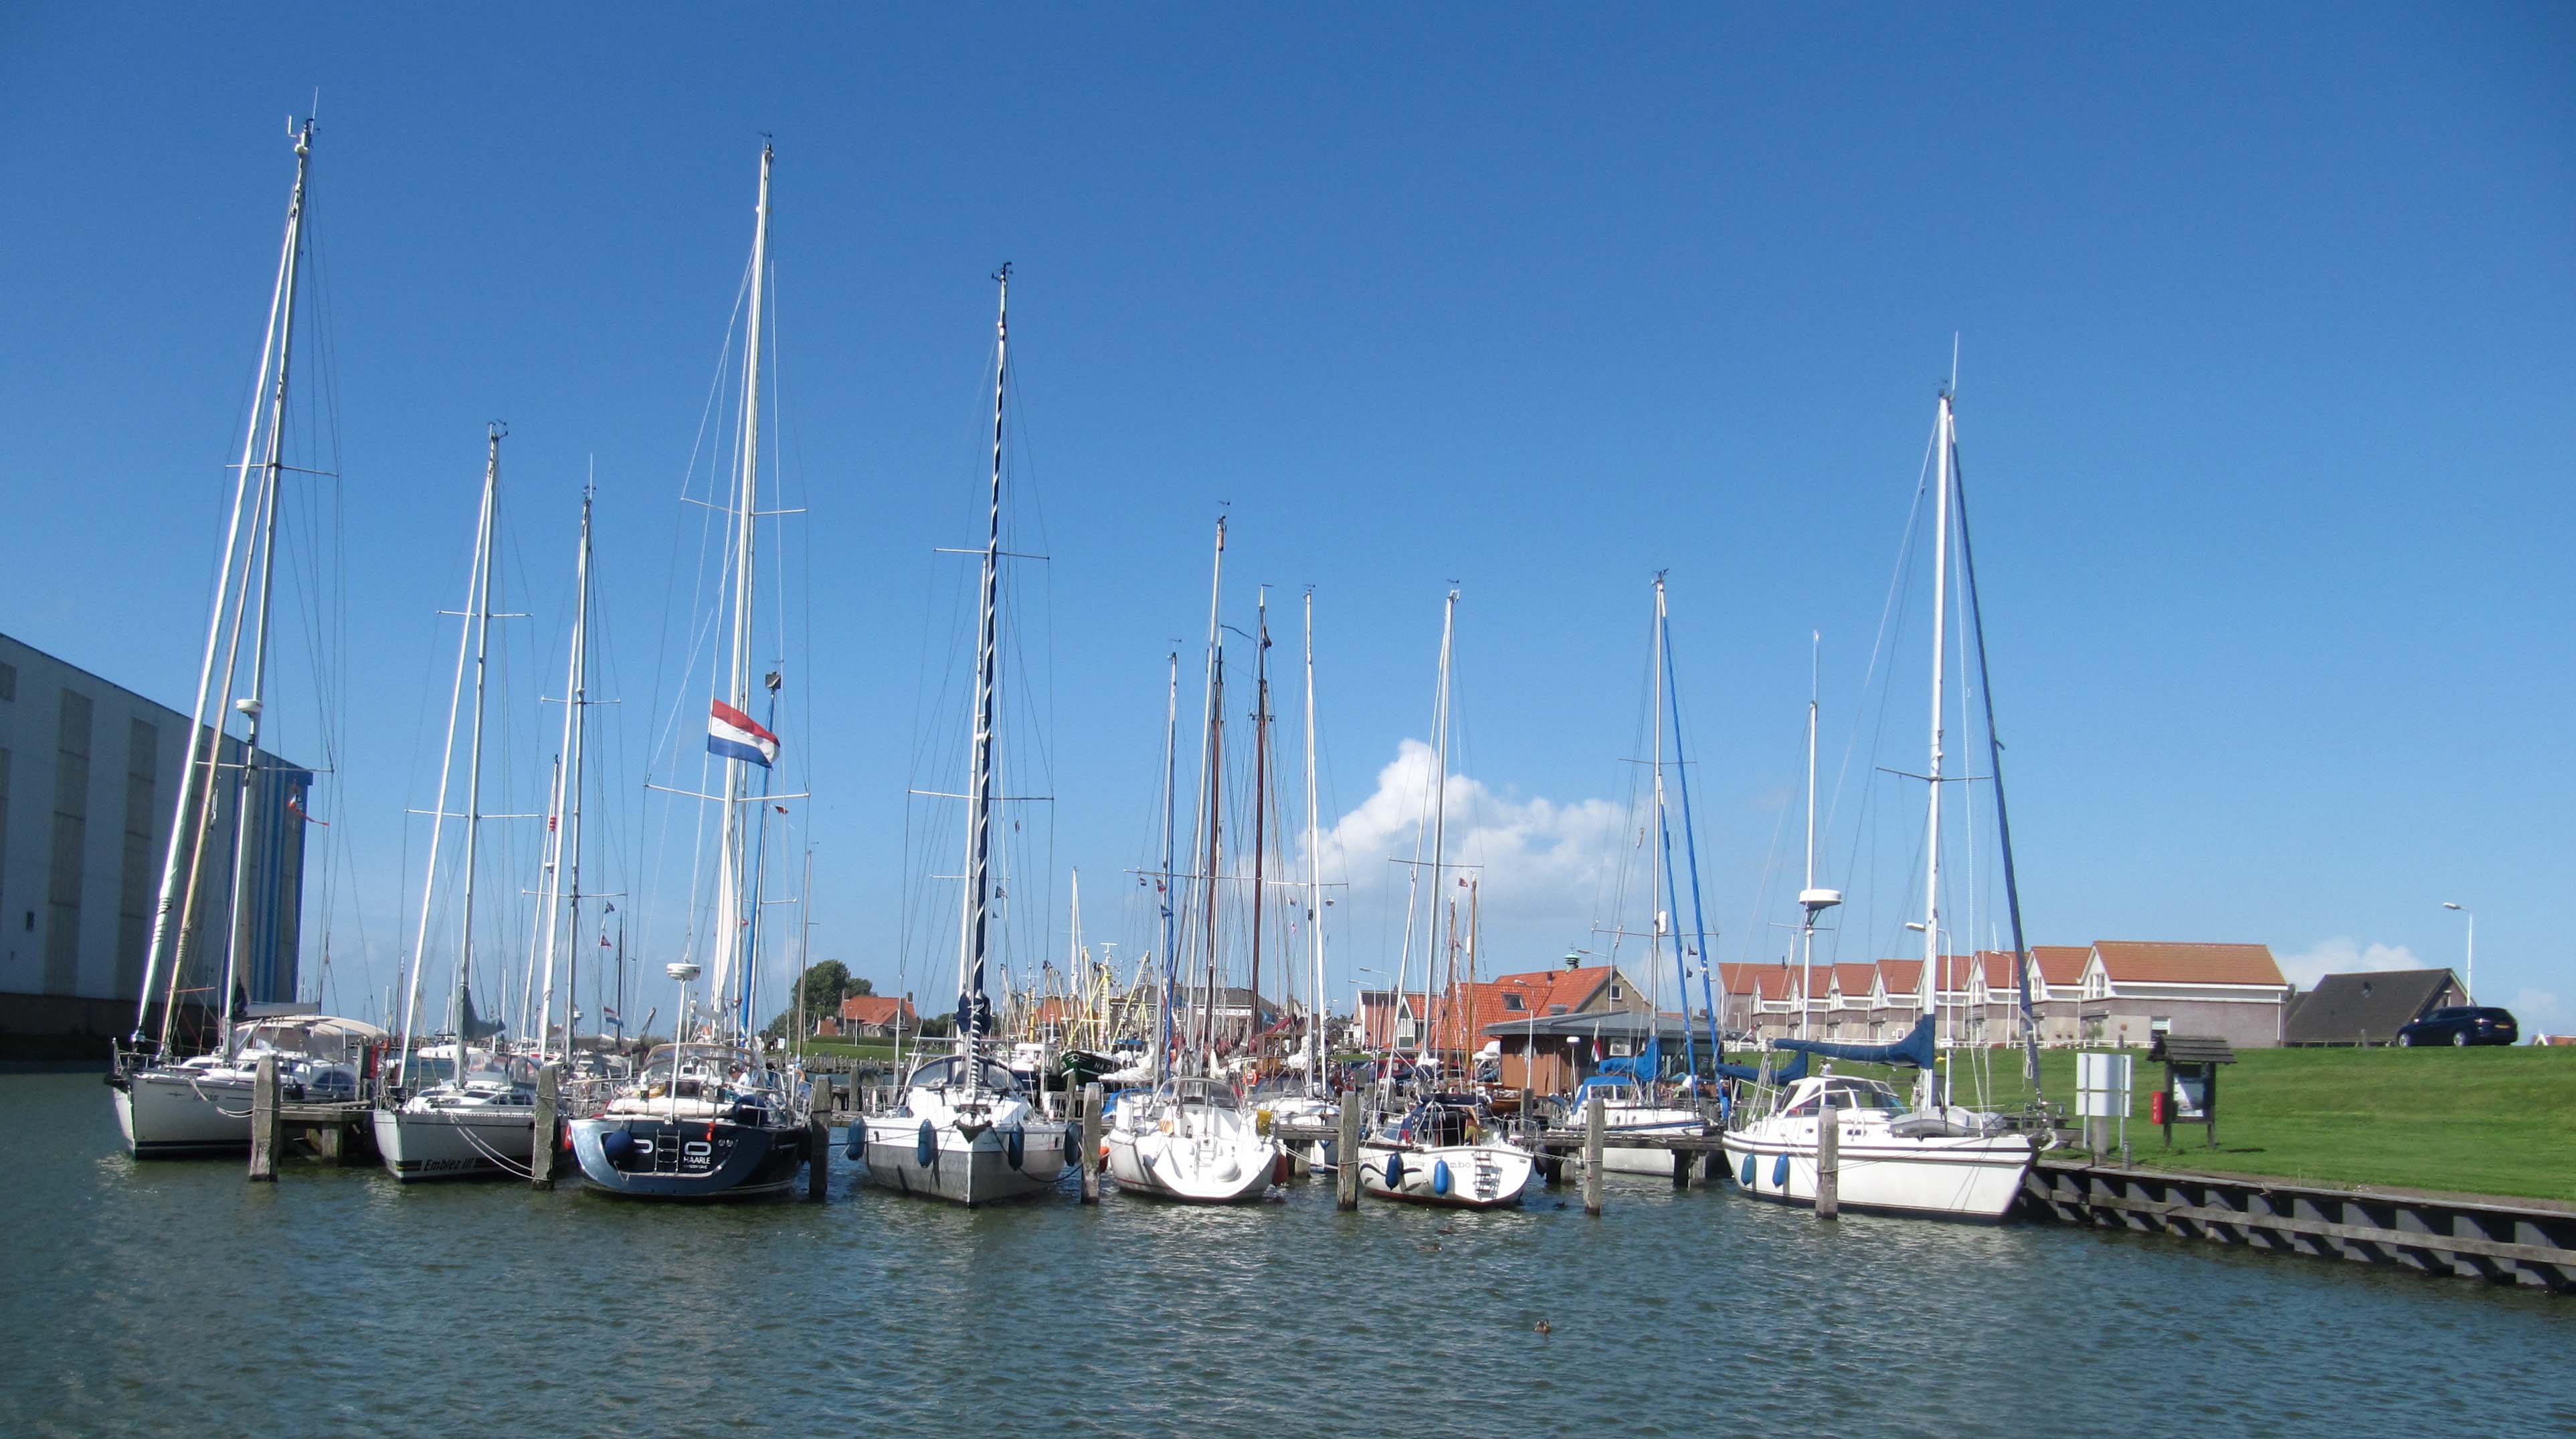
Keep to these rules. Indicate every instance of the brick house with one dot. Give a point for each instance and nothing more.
(2133, 990)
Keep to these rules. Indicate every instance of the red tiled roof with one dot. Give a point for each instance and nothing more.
(874, 1009)
(2061, 963)
(2149, 962)
(1572, 988)
(1774, 985)
(1856, 979)
(1734, 978)
(1902, 976)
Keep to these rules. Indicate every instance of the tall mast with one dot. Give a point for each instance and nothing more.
(1170, 897)
(1210, 786)
(1657, 926)
(1440, 787)
(482, 623)
(1260, 802)
(1813, 900)
(733, 925)
(974, 1011)
(1940, 623)
(1072, 967)
(563, 869)
(1314, 879)
(192, 811)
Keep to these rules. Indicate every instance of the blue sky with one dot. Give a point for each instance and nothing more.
(2268, 369)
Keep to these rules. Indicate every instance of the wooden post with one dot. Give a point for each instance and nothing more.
(264, 1129)
(1682, 1167)
(1829, 1166)
(818, 1154)
(1090, 1132)
(541, 1135)
(1346, 1154)
(1595, 1121)
(328, 1141)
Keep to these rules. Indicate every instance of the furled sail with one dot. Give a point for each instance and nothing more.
(1914, 1049)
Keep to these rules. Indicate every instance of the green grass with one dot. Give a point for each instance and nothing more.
(2479, 1121)
(854, 1048)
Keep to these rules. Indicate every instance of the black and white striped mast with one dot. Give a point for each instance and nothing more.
(974, 1011)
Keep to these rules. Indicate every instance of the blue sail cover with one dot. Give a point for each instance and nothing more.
(1914, 1049)
(1791, 1074)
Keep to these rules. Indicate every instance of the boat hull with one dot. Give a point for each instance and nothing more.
(962, 1169)
(1455, 1176)
(1648, 1123)
(644, 1157)
(1173, 1167)
(172, 1115)
(1970, 1178)
(461, 1143)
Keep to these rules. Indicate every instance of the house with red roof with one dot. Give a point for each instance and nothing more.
(871, 1016)
(2134, 990)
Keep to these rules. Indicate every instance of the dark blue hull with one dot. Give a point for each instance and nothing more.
(688, 1158)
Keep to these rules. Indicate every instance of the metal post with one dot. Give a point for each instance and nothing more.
(1090, 1159)
(1346, 1155)
(1682, 1167)
(818, 1154)
(264, 1129)
(1829, 1166)
(541, 1136)
(1595, 1121)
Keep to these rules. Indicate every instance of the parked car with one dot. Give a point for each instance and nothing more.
(2462, 1024)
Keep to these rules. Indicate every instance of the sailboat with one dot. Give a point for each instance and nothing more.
(968, 1130)
(169, 1103)
(711, 1115)
(476, 1114)
(1925, 1157)
(1306, 1098)
(1188, 1138)
(1429, 1147)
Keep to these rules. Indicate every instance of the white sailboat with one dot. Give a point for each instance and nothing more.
(967, 1130)
(712, 1115)
(1923, 1158)
(463, 1112)
(1434, 1148)
(1189, 1138)
(1307, 1099)
(168, 1103)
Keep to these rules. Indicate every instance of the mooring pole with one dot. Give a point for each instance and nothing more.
(541, 1137)
(1595, 1120)
(1090, 1131)
(1829, 1167)
(1346, 1155)
(264, 1127)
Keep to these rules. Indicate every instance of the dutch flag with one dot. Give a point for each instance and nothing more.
(734, 735)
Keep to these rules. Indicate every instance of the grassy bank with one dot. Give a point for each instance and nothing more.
(2484, 1121)
(881, 1049)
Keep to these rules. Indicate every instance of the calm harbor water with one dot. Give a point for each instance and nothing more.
(175, 1297)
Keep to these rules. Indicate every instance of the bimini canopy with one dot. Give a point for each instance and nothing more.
(1914, 1049)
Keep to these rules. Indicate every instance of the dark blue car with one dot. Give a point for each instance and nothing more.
(2463, 1025)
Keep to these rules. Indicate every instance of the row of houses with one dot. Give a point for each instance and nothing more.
(1547, 1028)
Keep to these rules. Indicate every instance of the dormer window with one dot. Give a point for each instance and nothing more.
(1513, 1003)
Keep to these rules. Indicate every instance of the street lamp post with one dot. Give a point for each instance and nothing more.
(2470, 979)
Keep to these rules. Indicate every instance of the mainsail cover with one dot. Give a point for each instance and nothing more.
(1914, 1049)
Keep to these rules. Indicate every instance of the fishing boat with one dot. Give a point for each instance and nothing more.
(1434, 1147)
(167, 1102)
(713, 1114)
(1188, 1138)
(968, 1130)
(1927, 1157)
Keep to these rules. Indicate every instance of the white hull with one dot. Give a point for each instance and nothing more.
(164, 1112)
(962, 1169)
(1620, 1120)
(1202, 1169)
(1967, 1177)
(460, 1143)
(1490, 1175)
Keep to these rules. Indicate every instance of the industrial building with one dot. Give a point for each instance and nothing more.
(89, 777)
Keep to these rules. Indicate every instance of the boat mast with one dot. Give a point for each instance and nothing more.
(1168, 897)
(1659, 925)
(482, 622)
(193, 813)
(732, 923)
(1210, 784)
(563, 869)
(1260, 806)
(1940, 621)
(974, 1011)
(1440, 797)
(1314, 879)
(1071, 1024)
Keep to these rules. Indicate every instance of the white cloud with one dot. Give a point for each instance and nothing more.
(2345, 955)
(1544, 863)
(2540, 1011)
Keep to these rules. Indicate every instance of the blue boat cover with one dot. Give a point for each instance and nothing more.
(1914, 1049)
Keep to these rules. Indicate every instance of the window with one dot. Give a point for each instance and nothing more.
(1617, 993)
(2159, 1024)
(1513, 1003)
(8, 682)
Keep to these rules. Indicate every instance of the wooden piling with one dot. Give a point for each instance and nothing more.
(1829, 1167)
(265, 1130)
(1595, 1122)
(1682, 1160)
(329, 1142)
(818, 1154)
(541, 1134)
(1346, 1155)
(1090, 1132)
